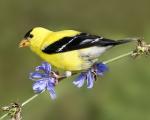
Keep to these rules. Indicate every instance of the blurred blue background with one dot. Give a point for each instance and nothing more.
(122, 94)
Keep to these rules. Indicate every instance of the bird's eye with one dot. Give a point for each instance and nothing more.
(30, 36)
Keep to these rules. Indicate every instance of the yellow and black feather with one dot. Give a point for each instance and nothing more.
(80, 41)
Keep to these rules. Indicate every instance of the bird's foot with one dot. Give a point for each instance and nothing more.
(58, 77)
(95, 75)
(93, 71)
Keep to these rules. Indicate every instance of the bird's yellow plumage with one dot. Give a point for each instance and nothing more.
(67, 49)
(67, 61)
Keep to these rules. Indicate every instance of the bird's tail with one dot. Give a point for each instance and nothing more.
(118, 42)
(126, 40)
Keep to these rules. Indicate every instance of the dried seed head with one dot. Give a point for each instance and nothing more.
(14, 111)
(141, 48)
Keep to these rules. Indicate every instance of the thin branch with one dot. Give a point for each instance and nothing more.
(118, 57)
(29, 100)
(1, 118)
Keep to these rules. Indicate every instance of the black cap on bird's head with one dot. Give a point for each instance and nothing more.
(28, 34)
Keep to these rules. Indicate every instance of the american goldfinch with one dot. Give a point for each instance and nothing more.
(69, 50)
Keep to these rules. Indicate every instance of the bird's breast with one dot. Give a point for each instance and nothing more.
(67, 60)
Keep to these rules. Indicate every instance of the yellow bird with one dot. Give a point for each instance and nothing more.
(68, 49)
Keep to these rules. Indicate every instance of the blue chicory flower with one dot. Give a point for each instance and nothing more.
(89, 76)
(43, 80)
(79, 82)
(100, 68)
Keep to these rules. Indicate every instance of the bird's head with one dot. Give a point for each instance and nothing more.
(34, 37)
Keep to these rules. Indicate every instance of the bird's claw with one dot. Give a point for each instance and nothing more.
(56, 75)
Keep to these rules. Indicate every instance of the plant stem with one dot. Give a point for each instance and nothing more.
(30, 99)
(3, 116)
(105, 62)
(118, 57)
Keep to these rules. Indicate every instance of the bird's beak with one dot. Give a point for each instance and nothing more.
(24, 43)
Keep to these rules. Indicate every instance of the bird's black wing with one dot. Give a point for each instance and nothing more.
(82, 40)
